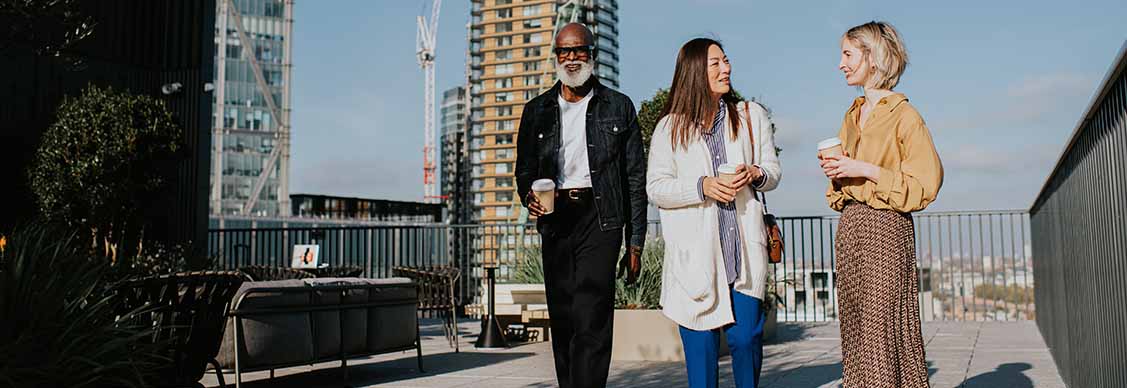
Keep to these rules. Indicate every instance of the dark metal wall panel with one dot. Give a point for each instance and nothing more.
(137, 45)
(1079, 233)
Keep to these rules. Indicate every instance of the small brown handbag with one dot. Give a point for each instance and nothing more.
(774, 233)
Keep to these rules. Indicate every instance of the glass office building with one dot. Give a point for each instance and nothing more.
(251, 133)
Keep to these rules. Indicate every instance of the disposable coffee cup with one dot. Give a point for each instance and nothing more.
(545, 192)
(829, 147)
(727, 172)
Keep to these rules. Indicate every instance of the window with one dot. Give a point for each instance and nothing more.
(503, 27)
(503, 97)
(506, 125)
(502, 2)
(503, 54)
(503, 69)
(505, 153)
(533, 38)
(531, 52)
(606, 43)
(530, 24)
(504, 196)
(531, 10)
(504, 182)
(503, 139)
(531, 80)
(502, 83)
(504, 111)
(531, 66)
(530, 94)
(502, 211)
(501, 168)
(505, 13)
(503, 41)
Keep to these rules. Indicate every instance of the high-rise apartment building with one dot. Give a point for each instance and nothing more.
(511, 62)
(251, 131)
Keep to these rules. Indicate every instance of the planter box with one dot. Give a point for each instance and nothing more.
(647, 335)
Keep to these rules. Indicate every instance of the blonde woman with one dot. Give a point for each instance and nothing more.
(715, 269)
(890, 169)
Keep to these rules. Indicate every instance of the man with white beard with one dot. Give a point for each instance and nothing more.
(584, 137)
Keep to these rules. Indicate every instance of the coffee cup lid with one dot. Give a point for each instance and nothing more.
(726, 168)
(833, 141)
(543, 185)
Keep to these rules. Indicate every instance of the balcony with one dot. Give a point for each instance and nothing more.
(963, 318)
(978, 274)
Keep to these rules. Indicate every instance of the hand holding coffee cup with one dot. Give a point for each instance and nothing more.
(829, 147)
(722, 188)
(542, 199)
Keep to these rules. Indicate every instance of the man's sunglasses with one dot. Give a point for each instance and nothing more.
(577, 50)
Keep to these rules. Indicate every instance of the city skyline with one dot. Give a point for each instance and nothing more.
(1000, 92)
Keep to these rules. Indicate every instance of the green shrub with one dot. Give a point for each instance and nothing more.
(531, 266)
(102, 167)
(1012, 294)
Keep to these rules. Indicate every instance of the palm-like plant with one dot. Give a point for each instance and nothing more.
(60, 322)
(646, 292)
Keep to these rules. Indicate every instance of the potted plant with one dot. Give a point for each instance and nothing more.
(641, 331)
(772, 302)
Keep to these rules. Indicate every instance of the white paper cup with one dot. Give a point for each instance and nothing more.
(828, 147)
(545, 192)
(727, 172)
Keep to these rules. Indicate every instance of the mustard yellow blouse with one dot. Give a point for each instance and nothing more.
(895, 139)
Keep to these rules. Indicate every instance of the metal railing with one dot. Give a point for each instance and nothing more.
(1079, 229)
(973, 265)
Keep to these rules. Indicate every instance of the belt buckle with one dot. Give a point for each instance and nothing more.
(573, 194)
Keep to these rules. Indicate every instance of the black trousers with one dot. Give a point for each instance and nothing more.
(579, 268)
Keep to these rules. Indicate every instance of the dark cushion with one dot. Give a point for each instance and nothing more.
(297, 337)
(274, 338)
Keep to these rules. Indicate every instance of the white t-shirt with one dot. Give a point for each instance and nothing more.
(575, 171)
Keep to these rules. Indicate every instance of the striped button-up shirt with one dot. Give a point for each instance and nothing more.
(729, 230)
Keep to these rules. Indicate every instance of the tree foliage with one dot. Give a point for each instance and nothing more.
(103, 166)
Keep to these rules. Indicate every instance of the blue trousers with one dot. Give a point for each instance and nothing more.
(745, 341)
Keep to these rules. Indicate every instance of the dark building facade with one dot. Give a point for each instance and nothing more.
(455, 157)
(134, 45)
(346, 208)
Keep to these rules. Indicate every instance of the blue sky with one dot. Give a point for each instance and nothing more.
(1001, 84)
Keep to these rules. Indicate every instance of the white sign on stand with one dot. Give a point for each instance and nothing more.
(306, 256)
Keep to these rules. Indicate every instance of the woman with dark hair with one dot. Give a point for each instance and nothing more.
(708, 155)
(889, 169)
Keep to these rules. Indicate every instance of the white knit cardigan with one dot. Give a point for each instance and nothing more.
(692, 293)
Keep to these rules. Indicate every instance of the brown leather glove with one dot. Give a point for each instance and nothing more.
(631, 264)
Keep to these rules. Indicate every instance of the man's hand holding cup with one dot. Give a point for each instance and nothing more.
(541, 199)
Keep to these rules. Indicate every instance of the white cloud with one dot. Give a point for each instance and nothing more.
(1038, 86)
(1037, 100)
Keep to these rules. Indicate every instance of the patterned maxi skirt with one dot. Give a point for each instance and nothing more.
(881, 342)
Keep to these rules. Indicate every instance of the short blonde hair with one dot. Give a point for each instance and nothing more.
(885, 50)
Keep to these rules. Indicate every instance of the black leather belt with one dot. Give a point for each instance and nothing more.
(574, 194)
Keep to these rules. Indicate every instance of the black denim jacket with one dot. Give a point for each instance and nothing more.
(615, 156)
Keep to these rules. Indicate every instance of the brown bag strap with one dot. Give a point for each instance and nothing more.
(751, 135)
